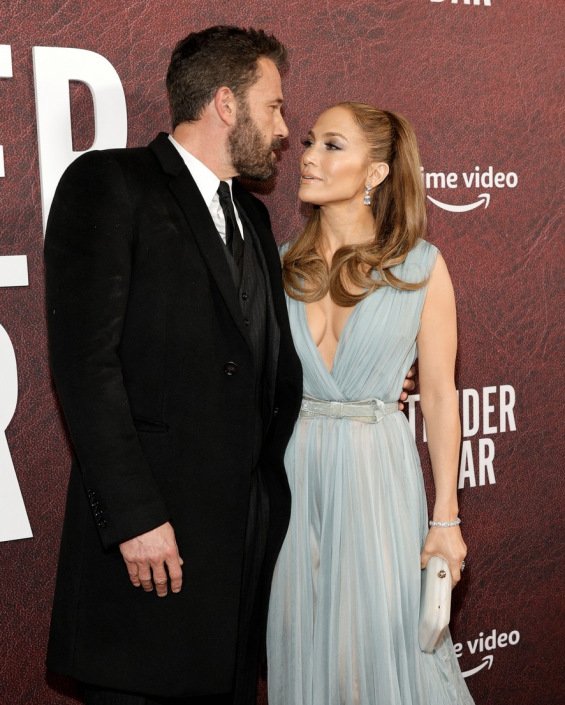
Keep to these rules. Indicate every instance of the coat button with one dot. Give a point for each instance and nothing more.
(276, 411)
(230, 368)
(244, 295)
(246, 322)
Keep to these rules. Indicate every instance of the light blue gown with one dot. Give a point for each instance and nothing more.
(343, 616)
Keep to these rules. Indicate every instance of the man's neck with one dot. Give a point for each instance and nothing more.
(208, 146)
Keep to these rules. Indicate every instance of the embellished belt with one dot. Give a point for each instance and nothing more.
(367, 410)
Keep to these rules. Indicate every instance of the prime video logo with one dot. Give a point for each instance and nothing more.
(477, 647)
(477, 178)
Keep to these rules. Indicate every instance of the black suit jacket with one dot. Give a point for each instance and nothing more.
(155, 378)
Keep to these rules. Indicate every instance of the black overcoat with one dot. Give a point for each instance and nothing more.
(155, 377)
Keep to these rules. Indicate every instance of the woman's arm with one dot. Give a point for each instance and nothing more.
(437, 348)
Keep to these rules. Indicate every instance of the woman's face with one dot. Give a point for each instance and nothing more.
(334, 167)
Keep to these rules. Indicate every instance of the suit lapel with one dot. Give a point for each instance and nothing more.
(200, 224)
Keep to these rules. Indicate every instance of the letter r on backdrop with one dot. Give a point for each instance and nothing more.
(53, 68)
(14, 523)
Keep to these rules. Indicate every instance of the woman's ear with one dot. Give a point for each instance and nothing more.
(225, 105)
(377, 172)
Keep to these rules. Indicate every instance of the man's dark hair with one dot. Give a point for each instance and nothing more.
(215, 57)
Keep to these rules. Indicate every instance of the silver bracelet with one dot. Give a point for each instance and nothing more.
(445, 524)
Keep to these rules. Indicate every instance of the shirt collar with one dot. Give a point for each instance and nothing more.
(205, 179)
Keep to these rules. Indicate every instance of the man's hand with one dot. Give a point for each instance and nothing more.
(408, 386)
(152, 559)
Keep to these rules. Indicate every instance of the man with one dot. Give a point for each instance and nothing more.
(173, 361)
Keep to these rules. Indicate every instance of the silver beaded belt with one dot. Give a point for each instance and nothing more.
(367, 410)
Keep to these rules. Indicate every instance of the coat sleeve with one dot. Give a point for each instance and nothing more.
(88, 255)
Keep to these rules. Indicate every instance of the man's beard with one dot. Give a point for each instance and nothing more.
(250, 156)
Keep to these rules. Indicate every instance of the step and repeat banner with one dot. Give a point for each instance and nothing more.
(482, 82)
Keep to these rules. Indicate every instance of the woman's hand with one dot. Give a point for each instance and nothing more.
(448, 543)
(408, 386)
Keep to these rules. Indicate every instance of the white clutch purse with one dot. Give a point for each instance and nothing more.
(435, 603)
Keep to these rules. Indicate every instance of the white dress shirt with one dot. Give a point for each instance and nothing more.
(208, 183)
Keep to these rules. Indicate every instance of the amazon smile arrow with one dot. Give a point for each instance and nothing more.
(483, 198)
(486, 660)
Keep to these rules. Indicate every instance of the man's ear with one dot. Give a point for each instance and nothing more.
(225, 105)
(377, 172)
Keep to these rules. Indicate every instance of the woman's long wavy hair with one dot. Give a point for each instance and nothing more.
(398, 206)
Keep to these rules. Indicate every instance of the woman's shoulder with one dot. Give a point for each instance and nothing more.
(423, 249)
(419, 262)
(285, 247)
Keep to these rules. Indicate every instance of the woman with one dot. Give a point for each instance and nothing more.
(364, 293)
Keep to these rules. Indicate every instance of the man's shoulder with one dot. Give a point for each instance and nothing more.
(118, 165)
(119, 156)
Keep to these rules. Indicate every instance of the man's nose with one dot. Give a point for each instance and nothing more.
(282, 129)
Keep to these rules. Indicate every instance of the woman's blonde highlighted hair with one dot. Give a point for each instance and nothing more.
(398, 206)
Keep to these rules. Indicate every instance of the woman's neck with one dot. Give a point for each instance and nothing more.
(342, 226)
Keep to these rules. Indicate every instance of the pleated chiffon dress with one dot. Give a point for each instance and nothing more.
(343, 616)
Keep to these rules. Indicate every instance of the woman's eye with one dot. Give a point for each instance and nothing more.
(306, 142)
(332, 145)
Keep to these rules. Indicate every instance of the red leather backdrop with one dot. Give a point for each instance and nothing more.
(481, 83)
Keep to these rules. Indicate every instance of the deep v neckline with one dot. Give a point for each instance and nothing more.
(310, 337)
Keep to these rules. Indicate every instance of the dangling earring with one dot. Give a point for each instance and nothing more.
(367, 196)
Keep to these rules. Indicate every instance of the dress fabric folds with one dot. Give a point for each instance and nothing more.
(343, 616)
